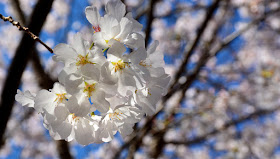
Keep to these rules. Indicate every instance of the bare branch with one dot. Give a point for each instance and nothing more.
(19, 63)
(150, 20)
(45, 82)
(230, 38)
(63, 149)
(191, 47)
(204, 137)
(135, 137)
(26, 30)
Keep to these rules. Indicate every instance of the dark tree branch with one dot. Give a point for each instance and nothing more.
(201, 63)
(150, 17)
(44, 79)
(204, 137)
(191, 47)
(159, 135)
(45, 82)
(19, 63)
(20, 13)
(63, 149)
(228, 40)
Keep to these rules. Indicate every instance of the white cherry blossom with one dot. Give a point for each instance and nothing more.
(102, 88)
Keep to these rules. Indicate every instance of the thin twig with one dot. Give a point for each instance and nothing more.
(26, 30)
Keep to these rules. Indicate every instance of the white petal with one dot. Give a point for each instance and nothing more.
(79, 44)
(45, 100)
(106, 74)
(72, 83)
(92, 15)
(109, 129)
(61, 113)
(126, 28)
(116, 50)
(99, 101)
(126, 83)
(116, 9)
(65, 73)
(97, 56)
(26, 98)
(138, 55)
(64, 53)
(80, 107)
(110, 26)
(58, 88)
(152, 47)
(137, 27)
(126, 129)
(157, 72)
(157, 59)
(91, 71)
(135, 40)
(116, 101)
(99, 40)
(83, 132)
(63, 129)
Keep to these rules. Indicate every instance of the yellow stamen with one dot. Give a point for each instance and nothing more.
(75, 118)
(89, 88)
(82, 60)
(148, 92)
(60, 98)
(117, 39)
(115, 114)
(119, 65)
(144, 64)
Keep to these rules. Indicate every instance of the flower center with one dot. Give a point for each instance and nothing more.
(60, 98)
(144, 64)
(96, 29)
(82, 60)
(73, 119)
(148, 92)
(115, 115)
(119, 65)
(89, 88)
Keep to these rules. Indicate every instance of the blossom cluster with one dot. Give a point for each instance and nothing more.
(107, 85)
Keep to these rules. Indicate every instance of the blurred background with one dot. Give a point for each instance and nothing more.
(223, 101)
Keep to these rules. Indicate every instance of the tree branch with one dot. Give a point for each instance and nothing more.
(19, 63)
(26, 30)
(204, 137)
(150, 20)
(45, 82)
(191, 47)
(135, 137)
(230, 38)
(63, 149)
